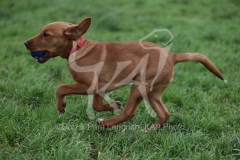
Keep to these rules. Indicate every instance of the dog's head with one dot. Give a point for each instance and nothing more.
(56, 39)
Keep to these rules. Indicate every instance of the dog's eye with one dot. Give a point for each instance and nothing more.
(46, 34)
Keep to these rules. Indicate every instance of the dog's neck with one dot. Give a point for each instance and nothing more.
(77, 45)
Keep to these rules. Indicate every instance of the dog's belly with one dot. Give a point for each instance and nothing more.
(114, 79)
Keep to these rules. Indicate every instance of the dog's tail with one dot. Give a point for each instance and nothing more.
(199, 58)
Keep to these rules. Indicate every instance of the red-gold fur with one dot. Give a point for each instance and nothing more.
(100, 67)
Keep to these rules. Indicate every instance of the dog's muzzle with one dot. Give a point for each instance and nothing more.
(39, 55)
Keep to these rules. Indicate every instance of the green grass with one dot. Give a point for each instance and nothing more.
(205, 113)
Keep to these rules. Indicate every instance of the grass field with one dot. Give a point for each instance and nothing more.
(205, 112)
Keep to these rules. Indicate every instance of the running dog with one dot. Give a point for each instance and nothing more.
(100, 67)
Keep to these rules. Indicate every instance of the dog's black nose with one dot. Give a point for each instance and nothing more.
(26, 43)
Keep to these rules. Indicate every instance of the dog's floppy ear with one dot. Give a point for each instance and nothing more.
(77, 30)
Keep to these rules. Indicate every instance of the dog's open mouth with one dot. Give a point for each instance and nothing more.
(40, 56)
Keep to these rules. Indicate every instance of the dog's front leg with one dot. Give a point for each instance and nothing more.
(67, 89)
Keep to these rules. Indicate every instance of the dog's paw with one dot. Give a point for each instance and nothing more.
(99, 121)
(104, 123)
(63, 108)
(62, 111)
(116, 105)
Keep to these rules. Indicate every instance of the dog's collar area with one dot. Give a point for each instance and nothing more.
(79, 46)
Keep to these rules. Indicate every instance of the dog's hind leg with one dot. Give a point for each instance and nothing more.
(156, 103)
(129, 111)
(99, 106)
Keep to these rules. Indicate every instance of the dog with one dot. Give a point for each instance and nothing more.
(100, 67)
